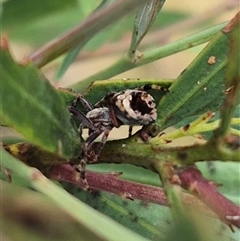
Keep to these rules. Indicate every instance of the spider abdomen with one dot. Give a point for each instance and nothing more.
(135, 107)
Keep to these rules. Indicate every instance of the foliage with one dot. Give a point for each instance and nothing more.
(49, 140)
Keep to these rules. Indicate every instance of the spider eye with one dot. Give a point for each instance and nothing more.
(149, 102)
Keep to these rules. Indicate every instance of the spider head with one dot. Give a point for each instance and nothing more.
(99, 116)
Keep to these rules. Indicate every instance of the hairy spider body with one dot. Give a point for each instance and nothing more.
(133, 107)
(129, 107)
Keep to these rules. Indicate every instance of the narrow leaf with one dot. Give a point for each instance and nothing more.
(98, 89)
(200, 87)
(31, 106)
(144, 19)
(154, 221)
(151, 221)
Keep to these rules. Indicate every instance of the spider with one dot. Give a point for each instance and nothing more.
(129, 107)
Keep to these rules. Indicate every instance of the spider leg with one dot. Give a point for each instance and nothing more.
(80, 99)
(81, 167)
(115, 121)
(130, 131)
(79, 115)
(91, 138)
(104, 100)
(99, 148)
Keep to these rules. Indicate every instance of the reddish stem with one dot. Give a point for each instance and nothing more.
(192, 180)
(111, 182)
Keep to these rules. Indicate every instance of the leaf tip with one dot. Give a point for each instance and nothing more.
(232, 24)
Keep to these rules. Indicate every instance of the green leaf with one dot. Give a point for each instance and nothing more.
(147, 220)
(31, 106)
(98, 89)
(144, 19)
(200, 88)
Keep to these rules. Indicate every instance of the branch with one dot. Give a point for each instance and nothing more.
(191, 179)
(111, 182)
(149, 156)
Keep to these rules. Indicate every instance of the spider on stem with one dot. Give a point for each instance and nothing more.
(129, 107)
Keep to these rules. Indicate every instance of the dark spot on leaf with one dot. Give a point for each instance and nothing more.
(186, 127)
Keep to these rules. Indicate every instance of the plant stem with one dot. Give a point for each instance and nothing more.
(113, 183)
(192, 180)
(148, 156)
